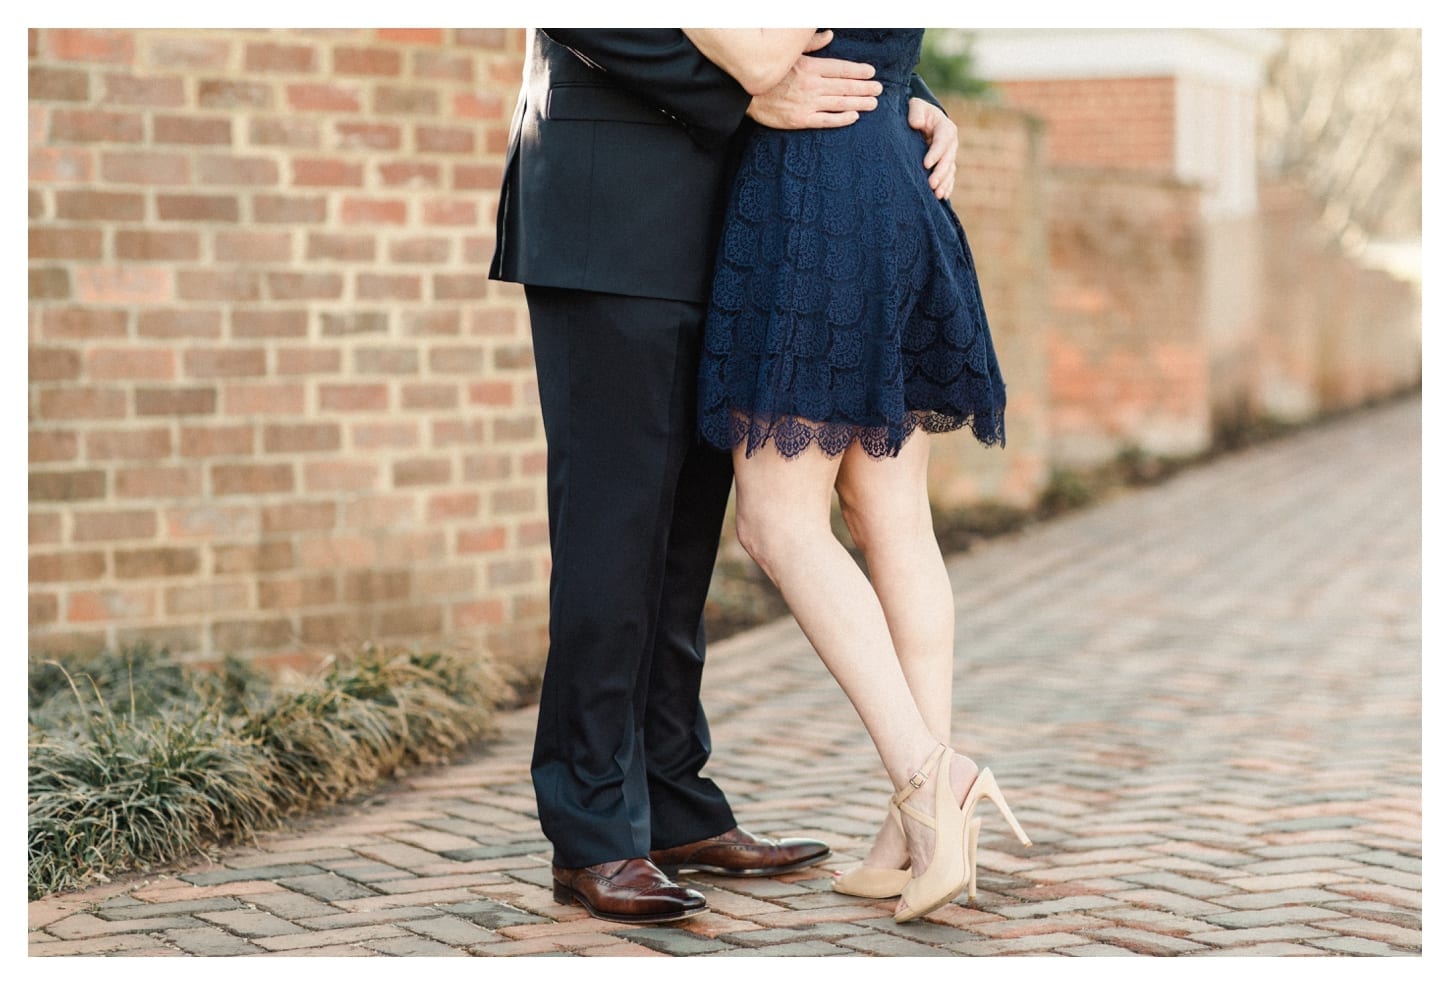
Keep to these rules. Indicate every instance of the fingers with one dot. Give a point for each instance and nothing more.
(851, 87)
(941, 152)
(934, 153)
(839, 68)
(832, 86)
(836, 95)
(828, 121)
(945, 138)
(943, 178)
(846, 104)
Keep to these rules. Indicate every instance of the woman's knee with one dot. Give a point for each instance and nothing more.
(782, 508)
(759, 534)
(884, 517)
(885, 501)
(860, 520)
(773, 537)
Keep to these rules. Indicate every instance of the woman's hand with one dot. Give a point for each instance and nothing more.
(940, 134)
(757, 57)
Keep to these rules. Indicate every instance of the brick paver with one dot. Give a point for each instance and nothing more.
(1203, 700)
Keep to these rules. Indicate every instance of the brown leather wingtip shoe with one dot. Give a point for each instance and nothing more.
(737, 852)
(630, 890)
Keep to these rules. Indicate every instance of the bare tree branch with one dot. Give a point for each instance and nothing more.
(1341, 112)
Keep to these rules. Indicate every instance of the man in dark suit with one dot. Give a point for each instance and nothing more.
(618, 167)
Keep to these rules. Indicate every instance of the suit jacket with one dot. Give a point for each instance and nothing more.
(620, 150)
(620, 153)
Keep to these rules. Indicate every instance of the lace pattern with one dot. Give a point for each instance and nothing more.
(845, 305)
(791, 436)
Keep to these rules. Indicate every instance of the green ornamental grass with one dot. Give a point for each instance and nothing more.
(137, 761)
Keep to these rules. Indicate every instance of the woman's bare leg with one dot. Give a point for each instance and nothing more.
(783, 521)
(888, 513)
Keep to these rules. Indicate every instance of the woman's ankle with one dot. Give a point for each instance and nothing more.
(923, 763)
(888, 849)
(959, 770)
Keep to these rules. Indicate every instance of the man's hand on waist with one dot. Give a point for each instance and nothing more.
(817, 93)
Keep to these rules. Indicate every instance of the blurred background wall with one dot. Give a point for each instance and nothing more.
(276, 407)
(1230, 223)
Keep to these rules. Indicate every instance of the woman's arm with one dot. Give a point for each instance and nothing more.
(757, 57)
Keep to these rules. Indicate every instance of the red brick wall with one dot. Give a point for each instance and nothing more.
(1334, 334)
(275, 403)
(1137, 357)
(1108, 123)
(1001, 174)
(1128, 364)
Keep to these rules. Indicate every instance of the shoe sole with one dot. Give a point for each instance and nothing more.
(720, 870)
(563, 894)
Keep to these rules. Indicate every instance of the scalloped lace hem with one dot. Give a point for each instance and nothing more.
(791, 435)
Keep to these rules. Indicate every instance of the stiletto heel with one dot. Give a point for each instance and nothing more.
(870, 882)
(986, 786)
(974, 829)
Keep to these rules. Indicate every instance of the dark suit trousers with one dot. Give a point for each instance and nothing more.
(636, 503)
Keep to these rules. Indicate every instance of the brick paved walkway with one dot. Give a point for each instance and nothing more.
(1203, 699)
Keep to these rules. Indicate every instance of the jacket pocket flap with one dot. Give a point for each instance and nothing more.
(591, 102)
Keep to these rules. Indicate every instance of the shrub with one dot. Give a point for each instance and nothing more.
(137, 761)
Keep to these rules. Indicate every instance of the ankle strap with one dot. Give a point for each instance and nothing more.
(923, 773)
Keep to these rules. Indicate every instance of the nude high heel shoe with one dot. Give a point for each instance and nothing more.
(871, 882)
(953, 862)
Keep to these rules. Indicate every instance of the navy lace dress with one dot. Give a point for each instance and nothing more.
(845, 304)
